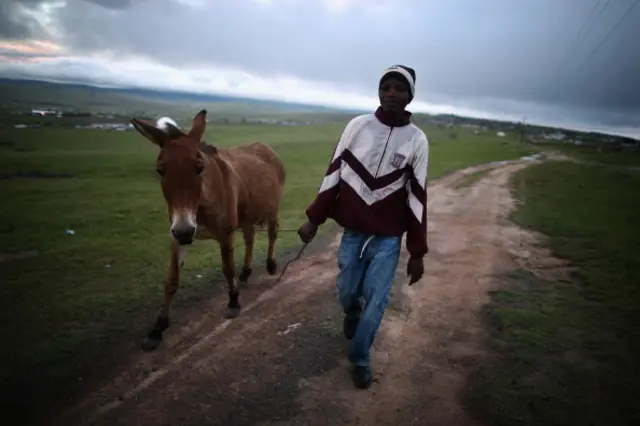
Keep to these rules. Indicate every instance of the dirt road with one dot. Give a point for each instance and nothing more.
(283, 361)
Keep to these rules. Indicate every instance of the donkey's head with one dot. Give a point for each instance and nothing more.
(179, 164)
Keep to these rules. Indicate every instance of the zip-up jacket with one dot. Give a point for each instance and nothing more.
(376, 182)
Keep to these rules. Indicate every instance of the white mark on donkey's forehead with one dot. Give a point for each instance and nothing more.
(163, 121)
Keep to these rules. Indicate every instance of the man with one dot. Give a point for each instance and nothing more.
(375, 188)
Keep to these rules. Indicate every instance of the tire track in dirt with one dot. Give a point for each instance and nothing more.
(283, 361)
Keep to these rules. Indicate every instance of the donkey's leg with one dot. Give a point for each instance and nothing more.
(228, 270)
(272, 230)
(171, 283)
(249, 234)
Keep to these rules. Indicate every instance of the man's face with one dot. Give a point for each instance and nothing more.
(393, 94)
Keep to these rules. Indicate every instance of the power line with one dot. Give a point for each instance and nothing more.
(606, 37)
(576, 42)
(580, 37)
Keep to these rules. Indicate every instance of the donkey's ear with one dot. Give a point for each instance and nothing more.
(198, 126)
(150, 132)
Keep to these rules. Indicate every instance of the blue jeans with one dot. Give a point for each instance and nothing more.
(367, 265)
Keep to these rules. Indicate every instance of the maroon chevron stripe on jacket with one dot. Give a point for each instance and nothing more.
(376, 182)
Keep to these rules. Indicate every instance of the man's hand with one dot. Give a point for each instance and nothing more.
(415, 269)
(307, 232)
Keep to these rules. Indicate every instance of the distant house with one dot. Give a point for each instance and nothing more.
(557, 136)
(106, 126)
(44, 112)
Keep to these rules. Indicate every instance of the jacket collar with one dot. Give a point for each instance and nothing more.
(393, 120)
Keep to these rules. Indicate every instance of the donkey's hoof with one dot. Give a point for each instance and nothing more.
(149, 344)
(232, 312)
(272, 266)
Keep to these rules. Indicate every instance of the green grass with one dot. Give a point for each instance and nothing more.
(568, 351)
(620, 158)
(105, 281)
(596, 154)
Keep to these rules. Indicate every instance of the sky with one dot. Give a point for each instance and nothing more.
(503, 59)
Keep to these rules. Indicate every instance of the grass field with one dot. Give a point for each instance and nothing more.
(595, 154)
(67, 295)
(627, 159)
(568, 351)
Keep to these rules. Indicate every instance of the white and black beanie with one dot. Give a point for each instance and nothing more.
(405, 73)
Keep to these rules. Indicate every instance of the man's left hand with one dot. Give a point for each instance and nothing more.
(415, 269)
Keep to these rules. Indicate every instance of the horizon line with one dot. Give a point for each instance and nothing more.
(309, 104)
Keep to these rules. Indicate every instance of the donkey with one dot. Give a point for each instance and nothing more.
(210, 192)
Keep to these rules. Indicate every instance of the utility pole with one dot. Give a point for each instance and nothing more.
(522, 127)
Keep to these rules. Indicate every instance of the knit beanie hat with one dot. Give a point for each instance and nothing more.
(405, 73)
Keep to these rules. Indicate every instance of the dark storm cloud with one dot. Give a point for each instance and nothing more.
(466, 52)
(13, 24)
(468, 49)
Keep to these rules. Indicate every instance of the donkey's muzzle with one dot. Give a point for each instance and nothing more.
(184, 235)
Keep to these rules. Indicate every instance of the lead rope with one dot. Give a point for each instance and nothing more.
(290, 262)
(304, 246)
(302, 250)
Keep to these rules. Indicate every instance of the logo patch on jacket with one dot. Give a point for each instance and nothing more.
(397, 160)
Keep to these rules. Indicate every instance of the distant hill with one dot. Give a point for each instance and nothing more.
(41, 94)
(27, 94)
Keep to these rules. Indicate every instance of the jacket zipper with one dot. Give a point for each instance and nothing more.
(383, 152)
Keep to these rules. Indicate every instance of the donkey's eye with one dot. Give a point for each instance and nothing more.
(160, 172)
(199, 170)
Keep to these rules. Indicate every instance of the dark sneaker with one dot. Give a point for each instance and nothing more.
(361, 376)
(350, 325)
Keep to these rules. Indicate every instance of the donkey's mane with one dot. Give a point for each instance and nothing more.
(208, 149)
